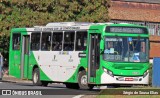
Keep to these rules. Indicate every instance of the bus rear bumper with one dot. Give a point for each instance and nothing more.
(107, 79)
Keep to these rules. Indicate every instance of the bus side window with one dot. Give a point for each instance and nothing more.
(68, 41)
(16, 41)
(57, 41)
(46, 41)
(35, 41)
(81, 40)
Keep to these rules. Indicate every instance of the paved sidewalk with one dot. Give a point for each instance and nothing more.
(8, 78)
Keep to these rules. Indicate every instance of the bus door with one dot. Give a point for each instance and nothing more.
(94, 57)
(25, 56)
(15, 54)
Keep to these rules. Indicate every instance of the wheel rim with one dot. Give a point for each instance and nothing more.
(35, 77)
(84, 80)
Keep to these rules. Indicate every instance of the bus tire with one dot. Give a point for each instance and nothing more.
(36, 77)
(82, 81)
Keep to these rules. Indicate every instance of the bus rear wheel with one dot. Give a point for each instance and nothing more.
(36, 77)
(82, 81)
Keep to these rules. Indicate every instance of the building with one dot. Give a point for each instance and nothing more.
(142, 12)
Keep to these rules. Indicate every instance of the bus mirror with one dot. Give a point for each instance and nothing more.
(102, 45)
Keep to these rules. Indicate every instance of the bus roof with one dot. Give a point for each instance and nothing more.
(68, 24)
(60, 26)
(117, 24)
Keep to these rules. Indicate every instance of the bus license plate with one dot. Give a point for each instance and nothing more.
(128, 79)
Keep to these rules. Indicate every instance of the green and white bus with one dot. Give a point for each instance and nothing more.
(80, 55)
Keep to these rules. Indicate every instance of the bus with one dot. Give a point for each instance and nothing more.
(80, 55)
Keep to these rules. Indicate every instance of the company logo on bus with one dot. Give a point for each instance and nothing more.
(135, 73)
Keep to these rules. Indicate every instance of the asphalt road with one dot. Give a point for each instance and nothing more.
(54, 90)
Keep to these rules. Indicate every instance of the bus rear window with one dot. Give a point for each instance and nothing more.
(81, 40)
(57, 41)
(46, 41)
(16, 41)
(35, 41)
(68, 41)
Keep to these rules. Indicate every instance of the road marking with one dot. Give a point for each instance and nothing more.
(78, 96)
(100, 87)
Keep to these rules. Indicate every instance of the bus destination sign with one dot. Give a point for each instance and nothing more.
(56, 28)
(122, 29)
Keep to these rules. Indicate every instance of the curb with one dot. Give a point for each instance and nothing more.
(78, 96)
(11, 79)
(8, 81)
